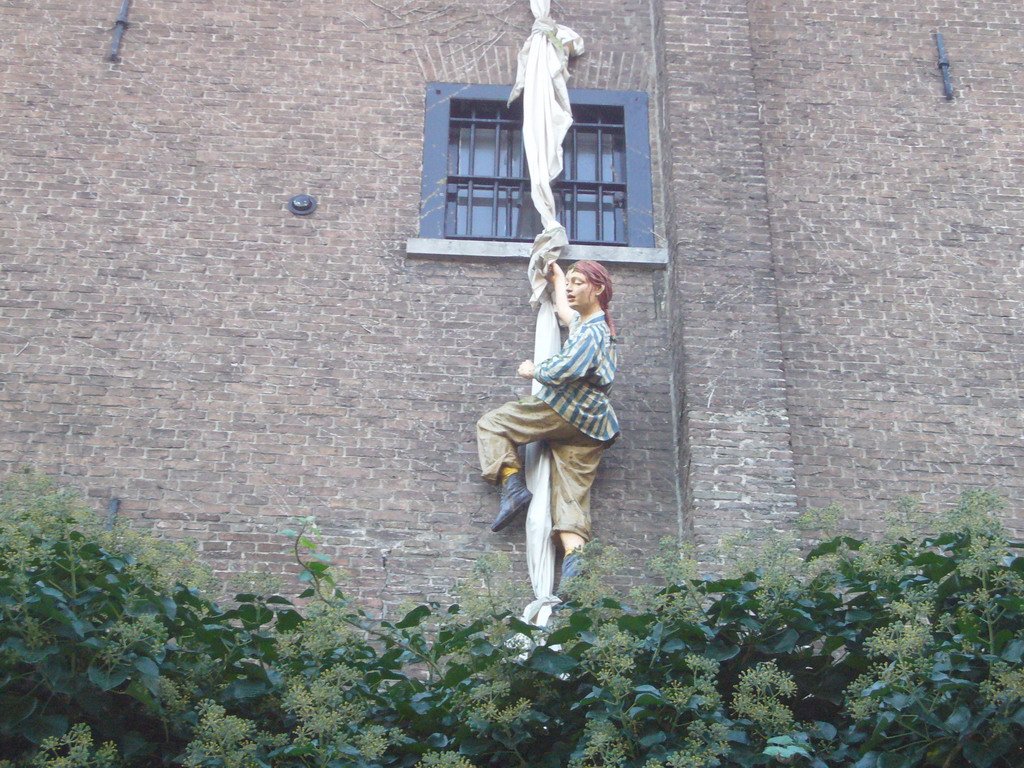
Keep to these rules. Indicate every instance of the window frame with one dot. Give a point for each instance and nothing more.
(639, 211)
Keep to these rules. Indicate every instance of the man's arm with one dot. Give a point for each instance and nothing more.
(556, 278)
(575, 360)
(578, 356)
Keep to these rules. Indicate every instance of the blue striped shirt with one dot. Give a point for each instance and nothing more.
(575, 382)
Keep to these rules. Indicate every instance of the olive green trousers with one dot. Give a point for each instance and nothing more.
(575, 457)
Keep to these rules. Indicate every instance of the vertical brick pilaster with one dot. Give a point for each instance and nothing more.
(731, 392)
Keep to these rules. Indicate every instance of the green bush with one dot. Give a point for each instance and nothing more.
(895, 653)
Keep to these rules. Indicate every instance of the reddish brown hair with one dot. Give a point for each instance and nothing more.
(597, 275)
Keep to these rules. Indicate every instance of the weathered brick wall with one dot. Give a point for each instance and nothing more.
(895, 223)
(731, 395)
(172, 337)
(840, 320)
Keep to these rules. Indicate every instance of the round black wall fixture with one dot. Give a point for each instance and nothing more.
(302, 205)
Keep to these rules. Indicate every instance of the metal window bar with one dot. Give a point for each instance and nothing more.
(591, 212)
(574, 216)
(497, 149)
(495, 207)
(508, 192)
(575, 154)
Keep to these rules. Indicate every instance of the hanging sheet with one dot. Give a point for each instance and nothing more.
(540, 79)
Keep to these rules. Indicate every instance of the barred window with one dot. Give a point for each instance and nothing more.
(476, 183)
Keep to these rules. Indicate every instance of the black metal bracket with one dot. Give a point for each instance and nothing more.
(947, 82)
(119, 27)
(112, 508)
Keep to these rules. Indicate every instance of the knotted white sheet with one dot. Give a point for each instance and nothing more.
(547, 116)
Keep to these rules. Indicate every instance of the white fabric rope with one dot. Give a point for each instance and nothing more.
(547, 116)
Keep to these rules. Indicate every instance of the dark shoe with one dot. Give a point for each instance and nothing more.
(570, 566)
(515, 497)
(570, 570)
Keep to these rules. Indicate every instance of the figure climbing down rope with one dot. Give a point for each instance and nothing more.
(547, 116)
(570, 412)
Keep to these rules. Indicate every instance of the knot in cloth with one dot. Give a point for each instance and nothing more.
(546, 25)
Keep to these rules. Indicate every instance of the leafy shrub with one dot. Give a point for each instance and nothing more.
(895, 653)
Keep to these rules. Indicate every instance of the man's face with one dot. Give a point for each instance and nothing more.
(581, 293)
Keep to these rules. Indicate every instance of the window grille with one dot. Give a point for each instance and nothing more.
(476, 182)
(488, 192)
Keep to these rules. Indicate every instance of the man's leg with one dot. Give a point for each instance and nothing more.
(574, 467)
(499, 434)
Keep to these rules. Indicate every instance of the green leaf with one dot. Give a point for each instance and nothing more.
(49, 591)
(782, 643)
(581, 620)
(147, 667)
(959, 720)
(721, 650)
(107, 679)
(649, 689)
(28, 655)
(544, 660)
(142, 694)
(870, 760)
(254, 615)
(738, 736)
(980, 754)
(456, 674)
(437, 740)
(481, 648)
(245, 689)
(414, 617)
(1013, 652)
(857, 615)
(518, 625)
(657, 737)
(784, 753)
(287, 620)
(896, 760)
(421, 703)
(134, 746)
(14, 709)
(40, 727)
(588, 637)
(824, 730)
(638, 625)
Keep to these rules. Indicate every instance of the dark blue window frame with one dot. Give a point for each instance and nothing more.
(637, 205)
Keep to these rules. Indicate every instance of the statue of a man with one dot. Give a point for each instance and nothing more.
(571, 412)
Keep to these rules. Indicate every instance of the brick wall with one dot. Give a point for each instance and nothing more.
(730, 394)
(172, 337)
(895, 224)
(840, 320)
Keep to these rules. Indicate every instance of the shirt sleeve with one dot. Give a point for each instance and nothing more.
(577, 357)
